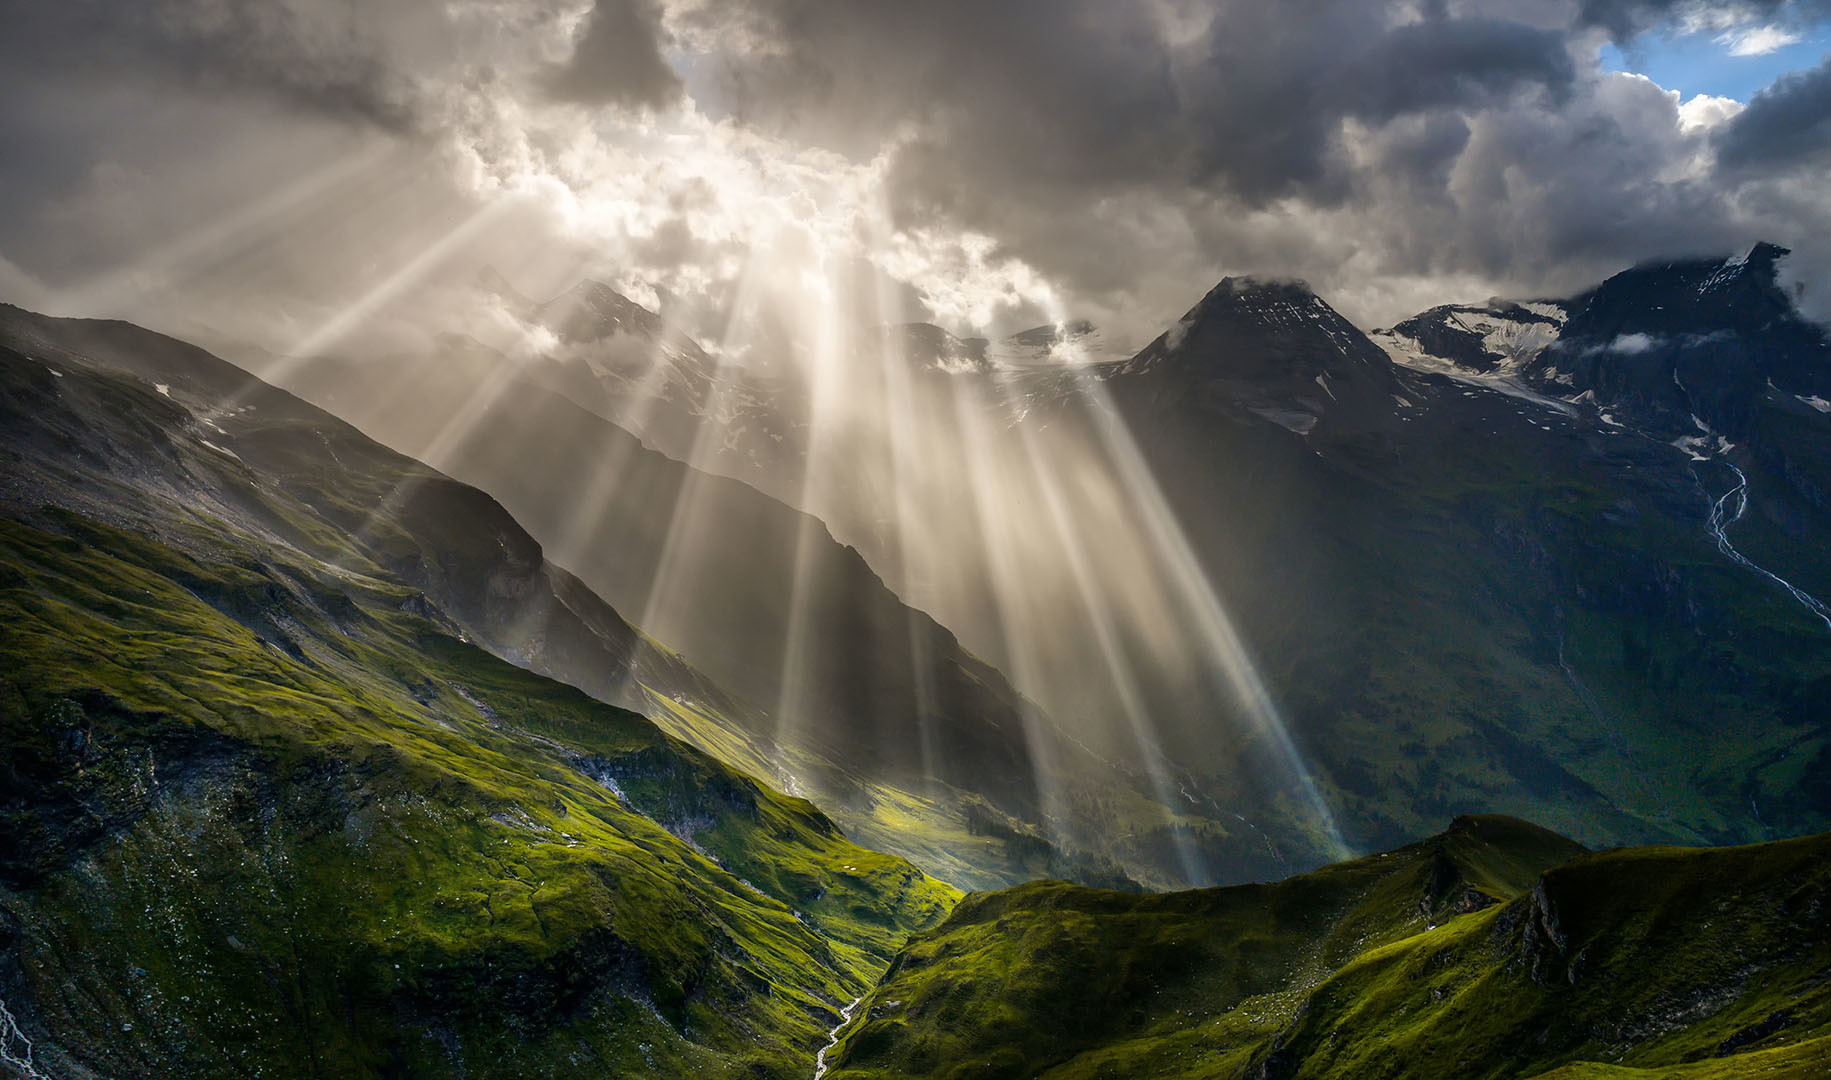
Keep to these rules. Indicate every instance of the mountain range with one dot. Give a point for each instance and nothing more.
(1553, 558)
(464, 715)
(837, 689)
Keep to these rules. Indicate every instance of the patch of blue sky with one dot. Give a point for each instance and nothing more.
(1735, 63)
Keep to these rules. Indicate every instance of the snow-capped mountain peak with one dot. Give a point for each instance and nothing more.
(1259, 329)
(1274, 350)
(1675, 347)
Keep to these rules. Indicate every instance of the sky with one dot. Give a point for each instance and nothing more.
(1736, 62)
(318, 174)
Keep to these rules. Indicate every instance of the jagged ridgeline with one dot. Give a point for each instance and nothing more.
(940, 761)
(1494, 950)
(269, 807)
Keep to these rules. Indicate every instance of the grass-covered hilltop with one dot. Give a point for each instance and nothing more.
(1495, 949)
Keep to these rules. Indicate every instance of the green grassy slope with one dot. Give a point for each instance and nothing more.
(264, 811)
(102, 438)
(1493, 950)
(391, 850)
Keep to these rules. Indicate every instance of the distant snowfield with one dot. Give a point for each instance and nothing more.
(1510, 342)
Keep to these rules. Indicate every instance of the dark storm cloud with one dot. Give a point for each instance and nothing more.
(1112, 144)
(1423, 150)
(618, 60)
(1104, 93)
(1579, 186)
(1078, 134)
(845, 74)
(304, 56)
(1789, 123)
(1398, 153)
(1443, 62)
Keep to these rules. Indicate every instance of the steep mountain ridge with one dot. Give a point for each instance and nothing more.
(912, 742)
(1710, 355)
(474, 562)
(1678, 346)
(1703, 338)
(737, 579)
(264, 810)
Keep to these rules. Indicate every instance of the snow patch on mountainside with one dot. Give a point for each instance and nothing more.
(1514, 341)
(1705, 445)
(1512, 387)
(1294, 420)
(1727, 271)
(1501, 337)
(1407, 352)
(1510, 342)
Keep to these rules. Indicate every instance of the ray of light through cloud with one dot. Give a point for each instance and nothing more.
(787, 194)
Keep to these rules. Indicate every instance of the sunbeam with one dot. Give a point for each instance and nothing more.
(665, 601)
(389, 288)
(1101, 623)
(246, 228)
(1010, 586)
(912, 547)
(1222, 641)
(827, 385)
